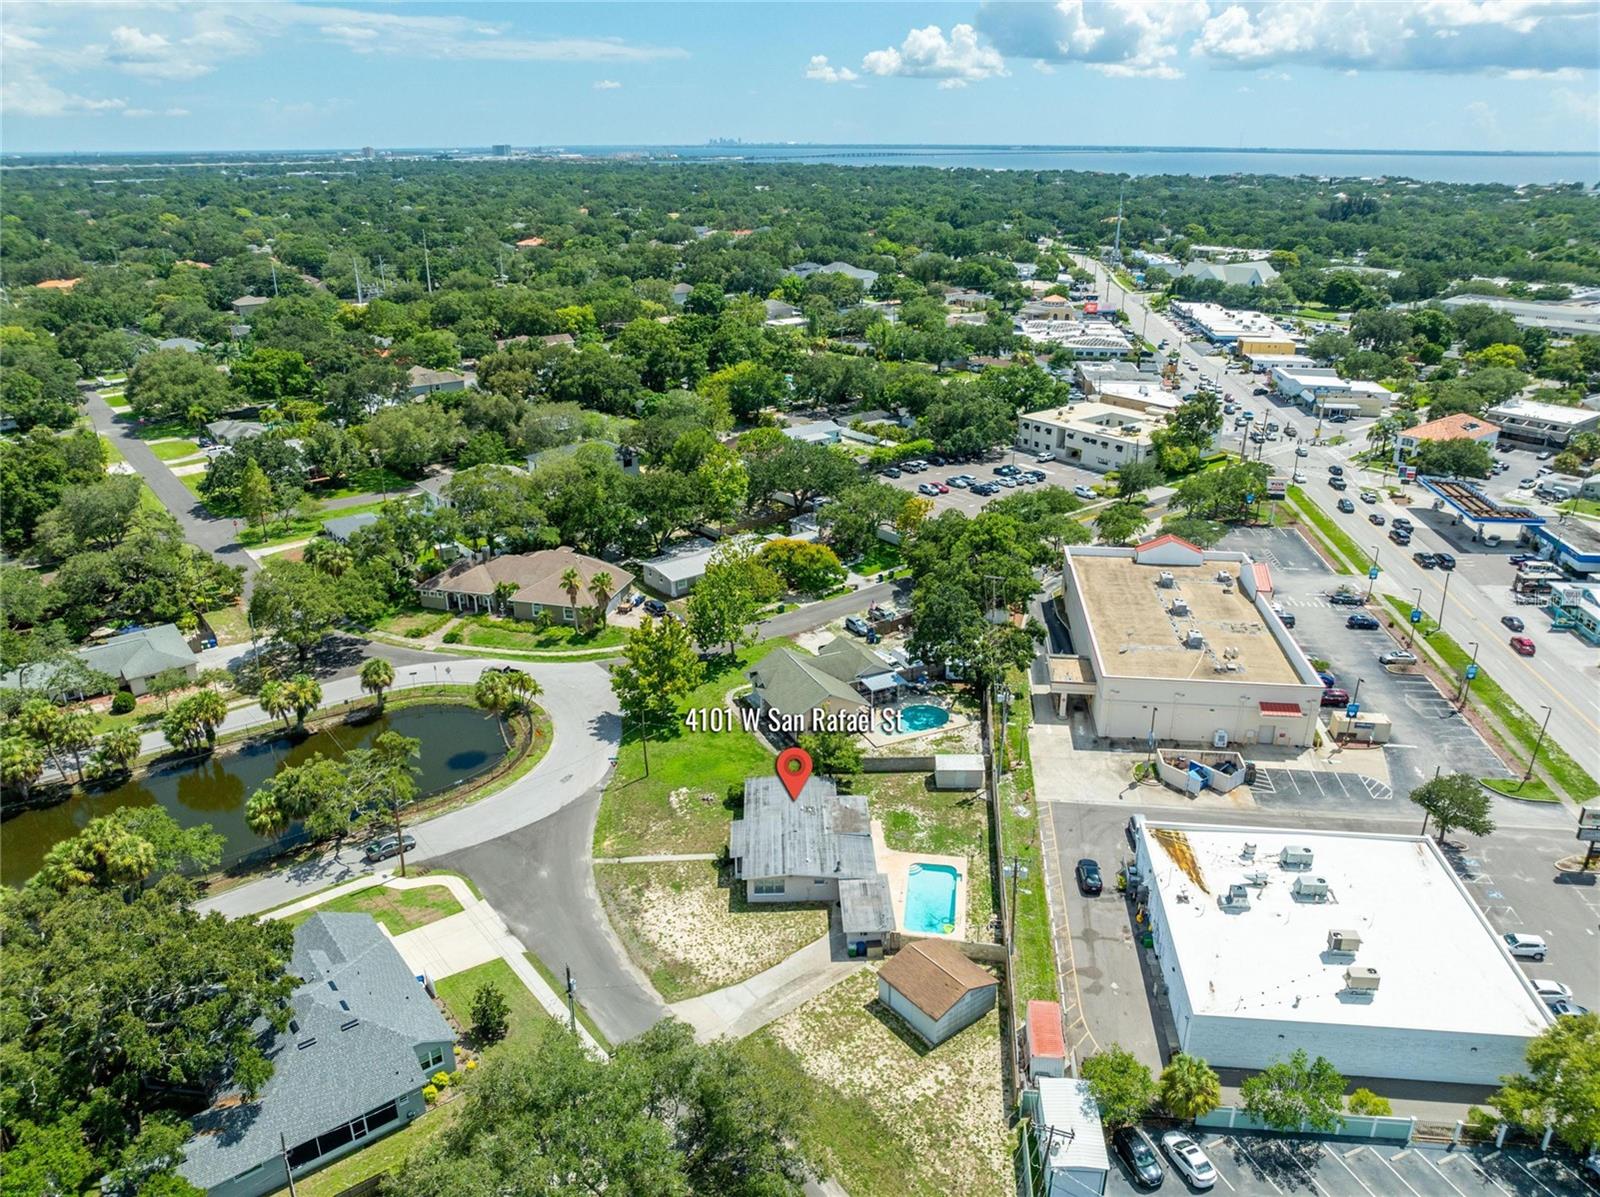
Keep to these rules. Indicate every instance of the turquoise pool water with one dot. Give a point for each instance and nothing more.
(931, 898)
(923, 717)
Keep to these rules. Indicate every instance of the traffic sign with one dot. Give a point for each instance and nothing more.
(1352, 710)
(1472, 672)
(1249, 497)
(1416, 615)
(1372, 572)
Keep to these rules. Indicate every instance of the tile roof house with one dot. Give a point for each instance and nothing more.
(362, 1040)
(1454, 427)
(936, 989)
(133, 658)
(469, 586)
(801, 849)
(843, 678)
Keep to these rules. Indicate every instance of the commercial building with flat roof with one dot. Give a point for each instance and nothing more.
(1324, 392)
(1096, 436)
(1532, 422)
(1365, 949)
(1182, 643)
(1566, 319)
(1225, 326)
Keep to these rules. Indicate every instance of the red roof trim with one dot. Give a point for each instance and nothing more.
(1281, 708)
(1044, 1030)
(1263, 576)
(1167, 538)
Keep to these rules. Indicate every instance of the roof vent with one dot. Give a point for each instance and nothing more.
(1312, 889)
(1361, 979)
(1295, 858)
(1237, 898)
(1180, 606)
(1343, 941)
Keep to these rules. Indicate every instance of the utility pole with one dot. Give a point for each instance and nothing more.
(1444, 598)
(1466, 678)
(1116, 248)
(1372, 577)
(357, 266)
(283, 1151)
(1539, 743)
(1011, 915)
(274, 264)
(427, 268)
(572, 1008)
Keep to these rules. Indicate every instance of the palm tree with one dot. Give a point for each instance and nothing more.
(503, 591)
(274, 701)
(521, 685)
(572, 583)
(377, 675)
(210, 709)
(493, 694)
(303, 695)
(21, 763)
(181, 728)
(118, 749)
(1189, 1088)
(600, 589)
(330, 556)
(76, 732)
(40, 720)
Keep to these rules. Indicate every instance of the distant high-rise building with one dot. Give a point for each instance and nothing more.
(502, 151)
(368, 152)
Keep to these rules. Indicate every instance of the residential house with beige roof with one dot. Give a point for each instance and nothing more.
(935, 989)
(469, 586)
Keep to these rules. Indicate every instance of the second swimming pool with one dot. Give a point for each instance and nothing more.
(931, 899)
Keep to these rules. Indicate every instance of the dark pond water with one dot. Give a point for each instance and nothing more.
(458, 742)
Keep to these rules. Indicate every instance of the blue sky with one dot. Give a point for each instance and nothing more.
(1431, 74)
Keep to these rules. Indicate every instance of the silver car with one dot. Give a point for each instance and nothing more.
(1188, 1160)
(1398, 656)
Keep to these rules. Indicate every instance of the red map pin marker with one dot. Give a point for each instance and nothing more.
(794, 770)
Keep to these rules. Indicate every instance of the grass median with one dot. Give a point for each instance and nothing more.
(1346, 556)
(1522, 731)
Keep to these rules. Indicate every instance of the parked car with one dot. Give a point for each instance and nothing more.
(1444, 560)
(1346, 506)
(1047, 455)
(1523, 558)
(1336, 471)
(1188, 1160)
(1524, 483)
(927, 488)
(857, 626)
(1397, 656)
(1334, 697)
(890, 472)
(1525, 947)
(389, 846)
(1552, 991)
(1299, 477)
(1347, 598)
(1522, 646)
(1259, 391)
(1425, 560)
(1375, 518)
(1399, 536)
(941, 487)
(1565, 1009)
(1327, 679)
(1088, 874)
(1084, 492)
(1361, 621)
(1301, 451)
(654, 607)
(1513, 622)
(959, 482)
(1545, 455)
(1139, 1154)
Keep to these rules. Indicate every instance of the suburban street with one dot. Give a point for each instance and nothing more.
(1563, 676)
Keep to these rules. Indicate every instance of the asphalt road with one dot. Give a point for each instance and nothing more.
(1564, 676)
(814, 615)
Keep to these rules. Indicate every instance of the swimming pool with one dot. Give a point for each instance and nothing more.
(931, 898)
(923, 717)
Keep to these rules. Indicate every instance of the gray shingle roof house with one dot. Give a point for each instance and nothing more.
(807, 269)
(423, 381)
(469, 586)
(799, 850)
(363, 1039)
(248, 305)
(231, 432)
(187, 344)
(843, 677)
(341, 527)
(132, 658)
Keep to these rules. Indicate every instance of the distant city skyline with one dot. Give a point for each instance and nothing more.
(1433, 75)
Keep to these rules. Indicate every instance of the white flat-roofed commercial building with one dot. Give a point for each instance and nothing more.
(1225, 326)
(1267, 361)
(1099, 341)
(1182, 643)
(1565, 319)
(1542, 423)
(1362, 948)
(1148, 396)
(1096, 436)
(1323, 391)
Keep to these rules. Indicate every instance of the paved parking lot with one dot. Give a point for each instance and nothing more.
(1056, 474)
(1428, 733)
(1316, 787)
(1269, 1164)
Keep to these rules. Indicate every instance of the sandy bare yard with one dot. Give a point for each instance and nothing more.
(692, 935)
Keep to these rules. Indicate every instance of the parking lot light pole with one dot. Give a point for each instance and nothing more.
(1466, 678)
(1443, 599)
(1372, 578)
(1356, 697)
(1537, 744)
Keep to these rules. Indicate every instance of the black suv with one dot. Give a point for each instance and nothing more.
(1444, 560)
(1425, 560)
(1139, 1154)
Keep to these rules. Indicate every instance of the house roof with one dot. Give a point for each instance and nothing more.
(537, 576)
(1067, 1106)
(421, 376)
(1167, 538)
(933, 976)
(187, 344)
(357, 1021)
(234, 430)
(865, 905)
(684, 560)
(822, 833)
(131, 656)
(792, 683)
(340, 527)
(1456, 426)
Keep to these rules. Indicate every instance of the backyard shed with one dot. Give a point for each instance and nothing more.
(936, 989)
(958, 771)
(866, 914)
(1047, 1048)
(1072, 1141)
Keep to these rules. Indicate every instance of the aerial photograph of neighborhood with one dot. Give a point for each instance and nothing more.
(766, 599)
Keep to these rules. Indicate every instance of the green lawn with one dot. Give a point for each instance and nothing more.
(173, 450)
(229, 624)
(370, 481)
(161, 429)
(115, 400)
(399, 910)
(1332, 536)
(113, 454)
(1035, 957)
(281, 531)
(683, 803)
(560, 986)
(192, 482)
(1521, 727)
(879, 558)
(529, 1020)
(484, 631)
(1582, 506)
(414, 621)
(1533, 790)
(386, 1155)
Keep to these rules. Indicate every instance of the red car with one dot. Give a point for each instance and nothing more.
(943, 489)
(1523, 645)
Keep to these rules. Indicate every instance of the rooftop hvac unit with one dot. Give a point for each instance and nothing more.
(1248, 852)
(1257, 879)
(1224, 577)
(1194, 638)
(1361, 978)
(1313, 889)
(1295, 858)
(1343, 941)
(1167, 581)
(1237, 898)
(1179, 607)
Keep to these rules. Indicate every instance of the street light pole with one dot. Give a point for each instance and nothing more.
(1534, 760)
(1356, 697)
(1151, 739)
(1466, 680)
(1372, 577)
(1411, 634)
(1444, 598)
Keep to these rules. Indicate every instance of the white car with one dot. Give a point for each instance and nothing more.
(1299, 477)
(1084, 492)
(927, 488)
(1047, 455)
(1188, 1160)
(1525, 947)
(1397, 656)
(1301, 451)
(1552, 991)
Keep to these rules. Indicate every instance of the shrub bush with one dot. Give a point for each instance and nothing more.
(1365, 1101)
(430, 1094)
(123, 702)
(453, 636)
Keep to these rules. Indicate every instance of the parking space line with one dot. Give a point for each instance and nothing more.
(1365, 1152)
(1255, 1163)
(1516, 1163)
(1423, 1156)
(1339, 1159)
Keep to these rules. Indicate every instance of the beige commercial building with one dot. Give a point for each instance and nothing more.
(1097, 436)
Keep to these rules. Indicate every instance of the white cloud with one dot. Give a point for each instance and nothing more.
(23, 93)
(148, 112)
(820, 70)
(927, 54)
(1517, 38)
(606, 85)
